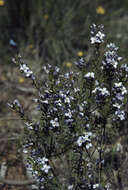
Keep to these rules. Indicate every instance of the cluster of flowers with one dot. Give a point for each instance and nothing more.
(67, 104)
(97, 34)
(85, 139)
(114, 70)
(119, 92)
(90, 75)
(111, 57)
(24, 68)
(101, 94)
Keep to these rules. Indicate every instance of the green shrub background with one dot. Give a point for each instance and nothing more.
(58, 30)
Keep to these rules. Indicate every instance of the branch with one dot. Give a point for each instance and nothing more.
(18, 183)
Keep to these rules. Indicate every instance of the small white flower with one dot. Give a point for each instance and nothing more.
(107, 186)
(100, 35)
(45, 101)
(115, 63)
(120, 114)
(80, 141)
(25, 151)
(112, 47)
(89, 175)
(89, 145)
(61, 94)
(76, 90)
(25, 69)
(68, 114)
(58, 102)
(119, 58)
(67, 100)
(95, 186)
(96, 83)
(55, 122)
(45, 69)
(118, 85)
(29, 125)
(66, 76)
(85, 138)
(95, 90)
(81, 114)
(57, 69)
(121, 87)
(89, 134)
(93, 40)
(45, 168)
(119, 96)
(98, 38)
(70, 187)
(123, 90)
(90, 75)
(103, 91)
(116, 105)
(124, 66)
(57, 82)
(44, 160)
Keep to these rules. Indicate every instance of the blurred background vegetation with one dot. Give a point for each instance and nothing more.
(54, 32)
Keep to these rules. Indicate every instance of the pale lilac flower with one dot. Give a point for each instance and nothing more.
(25, 69)
(84, 138)
(102, 91)
(54, 122)
(70, 187)
(45, 168)
(95, 186)
(68, 114)
(118, 85)
(90, 75)
(97, 35)
(98, 38)
(67, 100)
(120, 114)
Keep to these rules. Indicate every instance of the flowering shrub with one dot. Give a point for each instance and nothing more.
(66, 146)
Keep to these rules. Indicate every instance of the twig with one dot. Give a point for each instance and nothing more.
(18, 183)
(3, 170)
(10, 118)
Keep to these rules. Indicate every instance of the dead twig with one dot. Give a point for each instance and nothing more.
(18, 183)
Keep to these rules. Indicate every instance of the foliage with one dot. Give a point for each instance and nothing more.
(79, 112)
